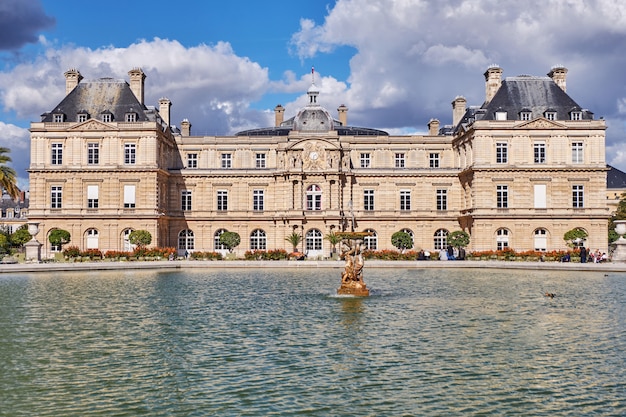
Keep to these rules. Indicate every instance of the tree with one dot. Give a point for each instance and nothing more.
(573, 237)
(7, 174)
(59, 237)
(140, 238)
(230, 239)
(402, 240)
(332, 238)
(458, 239)
(294, 239)
(20, 236)
(4, 243)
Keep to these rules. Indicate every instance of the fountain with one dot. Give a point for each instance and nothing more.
(619, 253)
(352, 276)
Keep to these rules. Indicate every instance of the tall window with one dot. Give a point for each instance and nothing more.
(578, 194)
(433, 160)
(185, 200)
(129, 196)
(260, 160)
(399, 160)
(222, 200)
(227, 160)
(93, 153)
(55, 248)
(577, 153)
(370, 242)
(502, 196)
(502, 239)
(92, 196)
(442, 199)
(192, 160)
(186, 240)
(365, 160)
(313, 240)
(539, 151)
(130, 153)
(405, 199)
(410, 233)
(91, 239)
(502, 153)
(440, 239)
(541, 240)
(56, 197)
(258, 200)
(368, 200)
(216, 240)
(258, 240)
(57, 153)
(314, 197)
(126, 245)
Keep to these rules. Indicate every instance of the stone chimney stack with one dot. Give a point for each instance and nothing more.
(343, 114)
(279, 114)
(137, 78)
(72, 78)
(558, 73)
(459, 105)
(164, 109)
(433, 127)
(185, 127)
(493, 81)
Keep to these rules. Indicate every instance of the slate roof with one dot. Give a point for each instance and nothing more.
(615, 179)
(97, 97)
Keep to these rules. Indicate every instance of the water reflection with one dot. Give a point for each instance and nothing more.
(276, 342)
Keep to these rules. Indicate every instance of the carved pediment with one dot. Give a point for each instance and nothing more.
(540, 123)
(92, 124)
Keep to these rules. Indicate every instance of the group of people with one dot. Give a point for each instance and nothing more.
(445, 254)
(590, 256)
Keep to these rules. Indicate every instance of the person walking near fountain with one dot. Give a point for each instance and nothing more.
(583, 255)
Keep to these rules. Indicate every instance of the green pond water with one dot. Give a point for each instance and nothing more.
(266, 342)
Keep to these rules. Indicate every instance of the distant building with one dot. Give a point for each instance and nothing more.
(518, 171)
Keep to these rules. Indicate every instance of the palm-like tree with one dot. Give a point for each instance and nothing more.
(7, 174)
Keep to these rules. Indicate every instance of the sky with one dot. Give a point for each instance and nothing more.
(225, 65)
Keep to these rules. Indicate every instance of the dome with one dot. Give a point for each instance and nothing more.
(313, 119)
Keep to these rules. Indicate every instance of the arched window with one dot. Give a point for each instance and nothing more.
(410, 233)
(185, 240)
(541, 240)
(91, 239)
(258, 240)
(54, 248)
(313, 198)
(216, 240)
(313, 240)
(502, 239)
(370, 242)
(126, 245)
(441, 239)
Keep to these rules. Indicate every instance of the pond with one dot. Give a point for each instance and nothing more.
(262, 342)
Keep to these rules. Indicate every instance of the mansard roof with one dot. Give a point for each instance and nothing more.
(531, 94)
(615, 179)
(96, 97)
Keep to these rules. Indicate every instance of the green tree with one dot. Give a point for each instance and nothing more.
(230, 239)
(140, 238)
(20, 236)
(7, 174)
(574, 236)
(59, 237)
(294, 239)
(458, 239)
(333, 238)
(402, 240)
(4, 243)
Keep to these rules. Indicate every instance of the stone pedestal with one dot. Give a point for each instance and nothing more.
(619, 253)
(357, 289)
(33, 250)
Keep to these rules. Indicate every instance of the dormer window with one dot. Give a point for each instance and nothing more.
(525, 114)
(576, 115)
(500, 114)
(131, 117)
(550, 114)
(82, 116)
(58, 117)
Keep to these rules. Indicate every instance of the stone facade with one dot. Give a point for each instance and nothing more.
(521, 182)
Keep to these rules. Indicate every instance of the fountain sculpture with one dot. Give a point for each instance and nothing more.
(352, 276)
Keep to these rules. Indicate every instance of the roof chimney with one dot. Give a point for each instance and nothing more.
(558, 73)
(279, 114)
(493, 81)
(343, 114)
(72, 78)
(137, 78)
(185, 127)
(459, 105)
(164, 109)
(433, 127)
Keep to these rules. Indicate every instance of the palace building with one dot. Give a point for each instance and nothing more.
(518, 171)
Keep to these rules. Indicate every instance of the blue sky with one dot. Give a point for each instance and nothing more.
(225, 65)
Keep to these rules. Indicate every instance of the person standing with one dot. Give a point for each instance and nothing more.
(583, 255)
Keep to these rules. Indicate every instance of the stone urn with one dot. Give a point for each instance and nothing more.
(619, 253)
